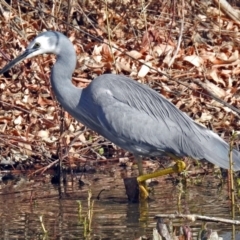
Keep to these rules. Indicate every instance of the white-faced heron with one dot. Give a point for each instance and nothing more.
(128, 113)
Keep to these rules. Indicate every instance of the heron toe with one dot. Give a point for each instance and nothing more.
(178, 167)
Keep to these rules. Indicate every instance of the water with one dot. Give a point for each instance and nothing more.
(23, 201)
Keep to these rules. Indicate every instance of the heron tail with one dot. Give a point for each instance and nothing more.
(218, 152)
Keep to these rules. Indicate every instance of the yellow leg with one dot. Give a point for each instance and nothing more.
(177, 168)
(142, 185)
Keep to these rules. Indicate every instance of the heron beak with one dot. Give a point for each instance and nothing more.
(18, 59)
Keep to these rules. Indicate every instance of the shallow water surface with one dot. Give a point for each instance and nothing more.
(23, 202)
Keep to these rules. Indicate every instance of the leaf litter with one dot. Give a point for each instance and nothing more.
(208, 58)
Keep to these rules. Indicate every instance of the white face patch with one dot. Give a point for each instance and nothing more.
(43, 45)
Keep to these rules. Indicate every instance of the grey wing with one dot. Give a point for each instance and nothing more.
(139, 119)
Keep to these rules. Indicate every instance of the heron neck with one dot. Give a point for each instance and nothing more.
(66, 93)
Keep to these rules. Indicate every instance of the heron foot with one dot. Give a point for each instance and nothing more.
(143, 190)
(178, 167)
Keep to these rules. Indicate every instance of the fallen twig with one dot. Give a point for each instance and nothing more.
(228, 10)
(194, 217)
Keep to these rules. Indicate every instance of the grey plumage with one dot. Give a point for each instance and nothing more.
(129, 114)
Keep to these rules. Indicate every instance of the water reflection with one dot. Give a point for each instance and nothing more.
(113, 217)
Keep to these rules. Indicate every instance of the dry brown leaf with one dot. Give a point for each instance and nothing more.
(205, 117)
(43, 134)
(123, 64)
(225, 59)
(168, 58)
(144, 70)
(162, 49)
(25, 148)
(97, 50)
(213, 73)
(51, 139)
(18, 120)
(194, 60)
(213, 88)
(82, 138)
(211, 57)
(134, 54)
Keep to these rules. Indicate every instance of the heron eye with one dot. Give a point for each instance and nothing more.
(37, 45)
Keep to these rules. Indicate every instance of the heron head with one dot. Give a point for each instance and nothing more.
(46, 42)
